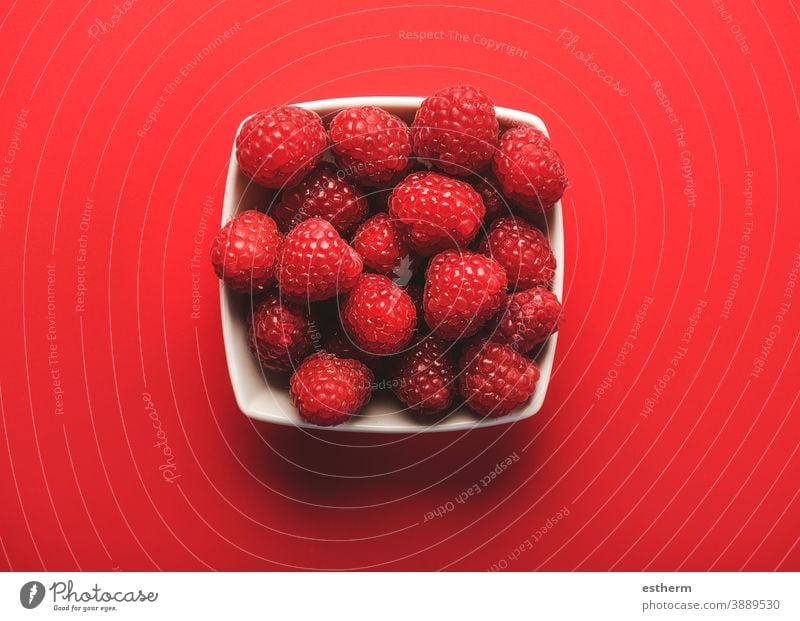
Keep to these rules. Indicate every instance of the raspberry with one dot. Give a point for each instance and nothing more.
(371, 145)
(323, 193)
(382, 245)
(316, 262)
(463, 291)
(495, 379)
(279, 146)
(379, 316)
(456, 130)
(424, 378)
(328, 390)
(437, 212)
(529, 170)
(489, 189)
(529, 318)
(522, 250)
(279, 333)
(245, 252)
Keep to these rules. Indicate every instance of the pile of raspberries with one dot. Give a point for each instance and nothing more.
(397, 257)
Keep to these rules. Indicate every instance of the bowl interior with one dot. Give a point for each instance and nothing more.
(264, 396)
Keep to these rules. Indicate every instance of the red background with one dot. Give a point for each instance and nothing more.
(707, 480)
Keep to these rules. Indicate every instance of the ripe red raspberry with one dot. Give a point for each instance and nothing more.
(316, 263)
(424, 378)
(383, 246)
(371, 145)
(522, 250)
(379, 316)
(437, 212)
(280, 334)
(323, 193)
(529, 318)
(245, 252)
(463, 291)
(328, 390)
(489, 189)
(379, 197)
(495, 379)
(529, 170)
(456, 130)
(279, 146)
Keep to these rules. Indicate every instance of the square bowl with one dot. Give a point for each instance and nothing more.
(264, 396)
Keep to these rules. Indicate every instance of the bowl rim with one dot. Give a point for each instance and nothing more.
(555, 235)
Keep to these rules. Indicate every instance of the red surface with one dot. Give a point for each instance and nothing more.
(707, 480)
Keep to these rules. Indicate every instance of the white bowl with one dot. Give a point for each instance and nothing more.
(265, 396)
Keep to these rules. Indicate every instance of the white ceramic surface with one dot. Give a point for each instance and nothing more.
(265, 396)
